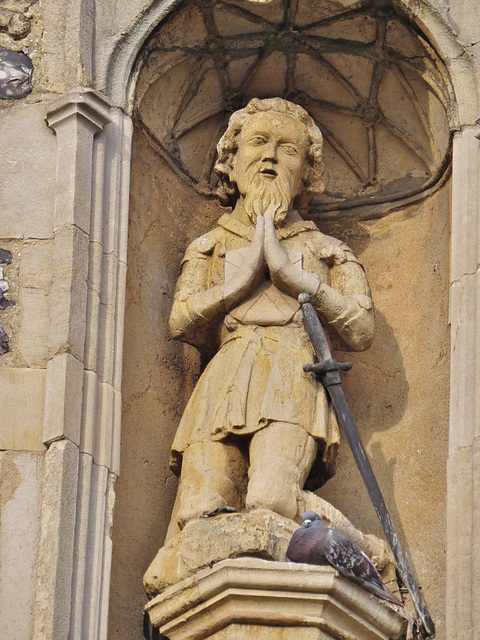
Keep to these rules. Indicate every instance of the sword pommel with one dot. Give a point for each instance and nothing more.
(303, 298)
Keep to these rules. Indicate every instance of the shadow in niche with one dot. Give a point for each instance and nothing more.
(383, 380)
(379, 460)
(149, 631)
(377, 391)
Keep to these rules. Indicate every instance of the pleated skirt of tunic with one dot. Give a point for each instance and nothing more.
(257, 378)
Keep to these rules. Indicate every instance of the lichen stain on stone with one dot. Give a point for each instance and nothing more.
(10, 480)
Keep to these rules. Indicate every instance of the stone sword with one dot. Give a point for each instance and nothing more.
(327, 370)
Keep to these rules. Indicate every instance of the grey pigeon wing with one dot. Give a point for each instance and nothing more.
(314, 543)
(346, 556)
(350, 561)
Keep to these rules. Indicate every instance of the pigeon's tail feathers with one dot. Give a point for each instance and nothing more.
(382, 592)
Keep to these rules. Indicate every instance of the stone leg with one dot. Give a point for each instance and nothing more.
(281, 456)
(213, 476)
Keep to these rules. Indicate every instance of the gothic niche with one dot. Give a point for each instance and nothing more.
(374, 87)
(380, 96)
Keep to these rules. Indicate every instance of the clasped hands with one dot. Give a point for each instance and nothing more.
(266, 249)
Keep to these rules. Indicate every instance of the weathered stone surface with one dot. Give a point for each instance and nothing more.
(206, 541)
(22, 408)
(261, 534)
(34, 274)
(63, 399)
(21, 477)
(92, 551)
(261, 597)
(27, 194)
(55, 560)
(68, 292)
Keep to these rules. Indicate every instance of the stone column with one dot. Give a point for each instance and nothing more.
(463, 517)
(82, 401)
(248, 598)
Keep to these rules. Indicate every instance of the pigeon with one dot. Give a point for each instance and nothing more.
(315, 543)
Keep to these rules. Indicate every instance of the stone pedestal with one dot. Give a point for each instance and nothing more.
(245, 598)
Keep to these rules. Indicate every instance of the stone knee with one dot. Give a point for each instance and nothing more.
(209, 479)
(274, 487)
(281, 456)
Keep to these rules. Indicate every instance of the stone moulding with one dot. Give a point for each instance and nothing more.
(82, 402)
(271, 596)
(91, 105)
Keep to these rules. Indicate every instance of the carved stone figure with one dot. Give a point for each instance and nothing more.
(257, 429)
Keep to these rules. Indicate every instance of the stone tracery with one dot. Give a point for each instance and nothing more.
(374, 86)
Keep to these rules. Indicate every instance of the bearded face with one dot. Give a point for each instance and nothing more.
(269, 164)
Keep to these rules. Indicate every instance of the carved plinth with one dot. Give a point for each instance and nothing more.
(248, 598)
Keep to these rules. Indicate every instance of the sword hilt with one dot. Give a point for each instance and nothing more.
(327, 365)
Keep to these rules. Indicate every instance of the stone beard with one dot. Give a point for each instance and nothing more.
(267, 193)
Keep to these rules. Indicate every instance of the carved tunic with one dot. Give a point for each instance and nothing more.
(256, 376)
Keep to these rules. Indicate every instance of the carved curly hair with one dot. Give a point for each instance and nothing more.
(312, 181)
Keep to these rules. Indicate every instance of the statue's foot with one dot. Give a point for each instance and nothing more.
(205, 541)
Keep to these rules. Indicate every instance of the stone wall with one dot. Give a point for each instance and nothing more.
(64, 192)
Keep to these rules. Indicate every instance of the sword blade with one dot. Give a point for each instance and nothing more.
(332, 382)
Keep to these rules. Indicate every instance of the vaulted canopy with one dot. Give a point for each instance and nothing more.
(375, 87)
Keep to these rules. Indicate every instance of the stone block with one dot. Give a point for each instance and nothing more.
(35, 260)
(69, 292)
(261, 534)
(465, 356)
(21, 476)
(51, 619)
(101, 412)
(63, 399)
(27, 157)
(465, 195)
(93, 304)
(32, 337)
(252, 598)
(91, 539)
(22, 408)
(106, 303)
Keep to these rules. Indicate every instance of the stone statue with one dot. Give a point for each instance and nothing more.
(257, 429)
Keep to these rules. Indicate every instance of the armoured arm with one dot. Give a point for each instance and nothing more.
(198, 300)
(193, 307)
(347, 305)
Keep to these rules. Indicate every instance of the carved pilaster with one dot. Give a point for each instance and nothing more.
(86, 317)
(463, 534)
